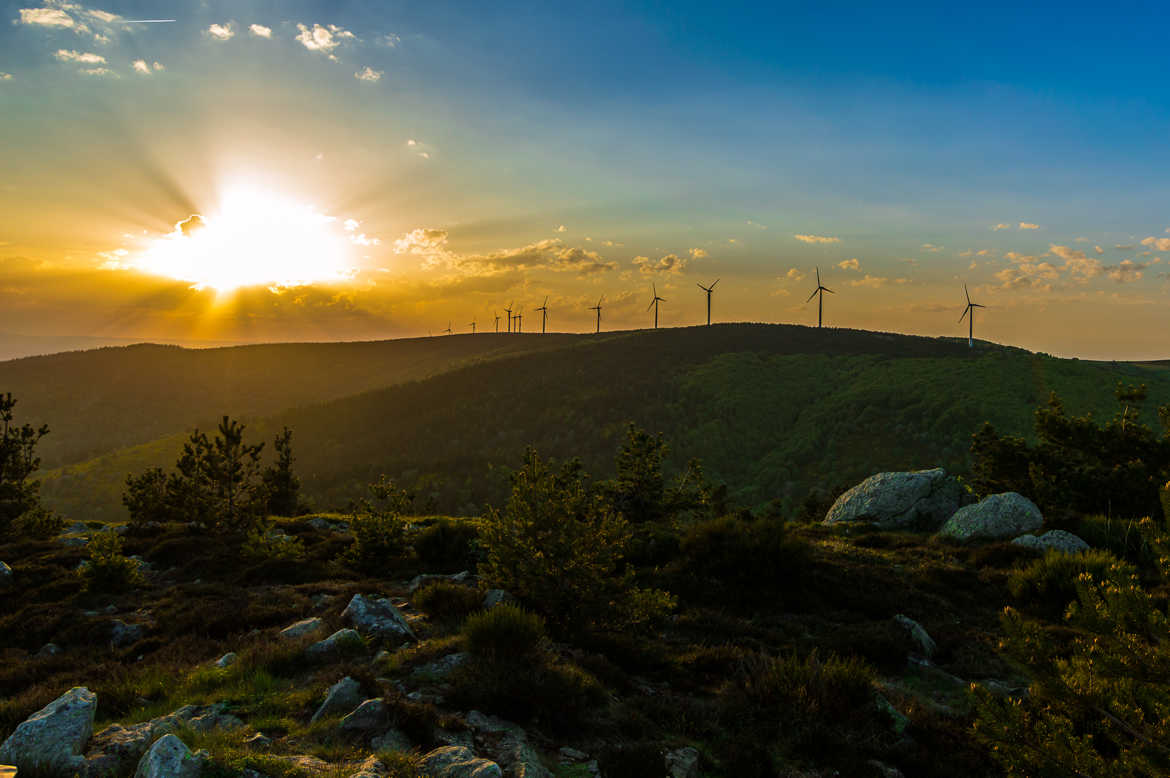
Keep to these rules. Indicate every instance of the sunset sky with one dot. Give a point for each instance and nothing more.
(309, 170)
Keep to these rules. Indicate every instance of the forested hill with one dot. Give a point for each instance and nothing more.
(100, 400)
(775, 411)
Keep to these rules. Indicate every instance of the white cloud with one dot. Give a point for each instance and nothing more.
(369, 74)
(1099, 250)
(816, 239)
(421, 241)
(323, 38)
(390, 40)
(931, 248)
(698, 253)
(757, 225)
(158, 66)
(5, 76)
(46, 17)
(102, 72)
(260, 31)
(669, 263)
(561, 228)
(850, 264)
(1029, 226)
(140, 66)
(83, 58)
(222, 32)
(1001, 226)
(1160, 244)
(794, 275)
(873, 282)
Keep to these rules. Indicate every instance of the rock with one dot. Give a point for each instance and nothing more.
(214, 719)
(496, 597)
(327, 525)
(117, 749)
(334, 645)
(391, 740)
(5, 575)
(570, 755)
(419, 581)
(378, 618)
(441, 668)
(53, 738)
(885, 770)
(227, 660)
(1056, 539)
(259, 740)
(521, 760)
(302, 764)
(457, 762)
(49, 649)
(898, 721)
(916, 500)
(925, 643)
(682, 762)
(371, 768)
(123, 634)
(370, 715)
(301, 628)
(483, 722)
(169, 757)
(342, 697)
(201, 718)
(74, 540)
(998, 517)
(1003, 689)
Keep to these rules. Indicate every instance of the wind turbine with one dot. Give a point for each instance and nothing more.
(543, 315)
(708, 290)
(448, 330)
(473, 328)
(508, 311)
(970, 310)
(497, 323)
(654, 304)
(820, 290)
(519, 317)
(598, 309)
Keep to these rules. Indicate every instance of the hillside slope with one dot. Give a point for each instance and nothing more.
(772, 410)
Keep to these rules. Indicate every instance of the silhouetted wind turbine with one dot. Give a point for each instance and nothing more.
(543, 315)
(448, 330)
(473, 328)
(497, 323)
(970, 310)
(820, 290)
(708, 290)
(519, 317)
(654, 304)
(598, 309)
(508, 311)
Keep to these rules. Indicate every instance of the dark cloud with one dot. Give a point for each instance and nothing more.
(191, 224)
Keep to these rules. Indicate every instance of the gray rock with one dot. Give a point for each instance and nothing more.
(441, 668)
(117, 749)
(123, 634)
(391, 740)
(457, 762)
(53, 738)
(570, 755)
(885, 770)
(335, 645)
(496, 597)
(419, 581)
(998, 517)
(303, 764)
(925, 643)
(49, 649)
(5, 575)
(227, 660)
(74, 540)
(682, 762)
(521, 760)
(301, 628)
(259, 740)
(169, 757)
(371, 768)
(482, 722)
(370, 715)
(923, 499)
(327, 525)
(378, 618)
(342, 697)
(1056, 539)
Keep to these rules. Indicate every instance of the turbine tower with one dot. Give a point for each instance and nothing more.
(543, 315)
(654, 304)
(970, 311)
(820, 290)
(448, 330)
(519, 317)
(473, 328)
(708, 290)
(497, 323)
(508, 311)
(598, 309)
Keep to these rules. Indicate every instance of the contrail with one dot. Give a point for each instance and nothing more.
(147, 21)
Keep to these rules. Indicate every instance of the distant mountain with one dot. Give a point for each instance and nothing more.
(775, 411)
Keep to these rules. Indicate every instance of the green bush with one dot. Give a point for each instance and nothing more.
(1125, 538)
(447, 546)
(264, 544)
(1049, 584)
(378, 529)
(18, 461)
(109, 570)
(746, 558)
(38, 523)
(552, 693)
(504, 634)
(447, 601)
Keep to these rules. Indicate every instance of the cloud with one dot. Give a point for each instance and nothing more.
(390, 40)
(1001, 226)
(351, 225)
(5, 76)
(874, 282)
(561, 228)
(816, 239)
(260, 31)
(669, 263)
(46, 17)
(369, 74)
(1128, 270)
(1028, 275)
(191, 224)
(1121, 247)
(323, 38)
(84, 58)
(698, 253)
(421, 241)
(931, 248)
(794, 275)
(140, 66)
(757, 225)
(1099, 250)
(222, 32)
(1159, 244)
(99, 72)
(850, 264)
(1029, 226)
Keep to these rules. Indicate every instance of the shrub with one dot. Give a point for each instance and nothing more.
(552, 693)
(634, 760)
(504, 634)
(378, 529)
(447, 546)
(749, 557)
(281, 484)
(39, 523)
(18, 461)
(1048, 584)
(1126, 538)
(447, 601)
(109, 570)
(264, 544)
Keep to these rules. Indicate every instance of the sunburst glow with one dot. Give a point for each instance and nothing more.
(253, 239)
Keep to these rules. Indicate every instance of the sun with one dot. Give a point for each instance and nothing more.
(254, 238)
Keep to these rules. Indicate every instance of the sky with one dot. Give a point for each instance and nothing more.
(259, 171)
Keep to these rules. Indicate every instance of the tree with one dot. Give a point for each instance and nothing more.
(18, 461)
(281, 482)
(638, 491)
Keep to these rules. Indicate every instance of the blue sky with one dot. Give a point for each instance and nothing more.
(572, 150)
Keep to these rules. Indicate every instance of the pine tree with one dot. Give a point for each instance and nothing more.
(281, 482)
(18, 461)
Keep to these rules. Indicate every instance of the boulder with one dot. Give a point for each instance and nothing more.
(921, 638)
(998, 517)
(370, 715)
(496, 597)
(391, 740)
(258, 741)
(441, 668)
(117, 749)
(5, 575)
(301, 628)
(169, 757)
(682, 762)
(923, 499)
(227, 660)
(457, 762)
(53, 739)
(419, 581)
(371, 768)
(49, 649)
(342, 697)
(335, 645)
(1056, 539)
(123, 634)
(378, 618)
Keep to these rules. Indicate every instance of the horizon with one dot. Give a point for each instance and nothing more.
(253, 173)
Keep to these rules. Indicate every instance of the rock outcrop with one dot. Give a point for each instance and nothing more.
(334, 645)
(998, 517)
(5, 575)
(1056, 539)
(52, 740)
(923, 499)
(301, 628)
(342, 697)
(369, 716)
(169, 757)
(377, 618)
(682, 762)
(457, 762)
(922, 639)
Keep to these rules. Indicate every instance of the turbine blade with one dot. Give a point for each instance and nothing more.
(716, 281)
(702, 287)
(965, 312)
(827, 289)
(966, 294)
(818, 275)
(651, 305)
(814, 294)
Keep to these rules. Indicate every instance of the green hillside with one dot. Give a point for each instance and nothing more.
(774, 411)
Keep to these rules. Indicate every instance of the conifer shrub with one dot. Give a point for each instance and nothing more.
(1047, 585)
(38, 523)
(265, 545)
(1125, 538)
(744, 558)
(18, 461)
(109, 570)
(447, 546)
(378, 528)
(503, 634)
(447, 601)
